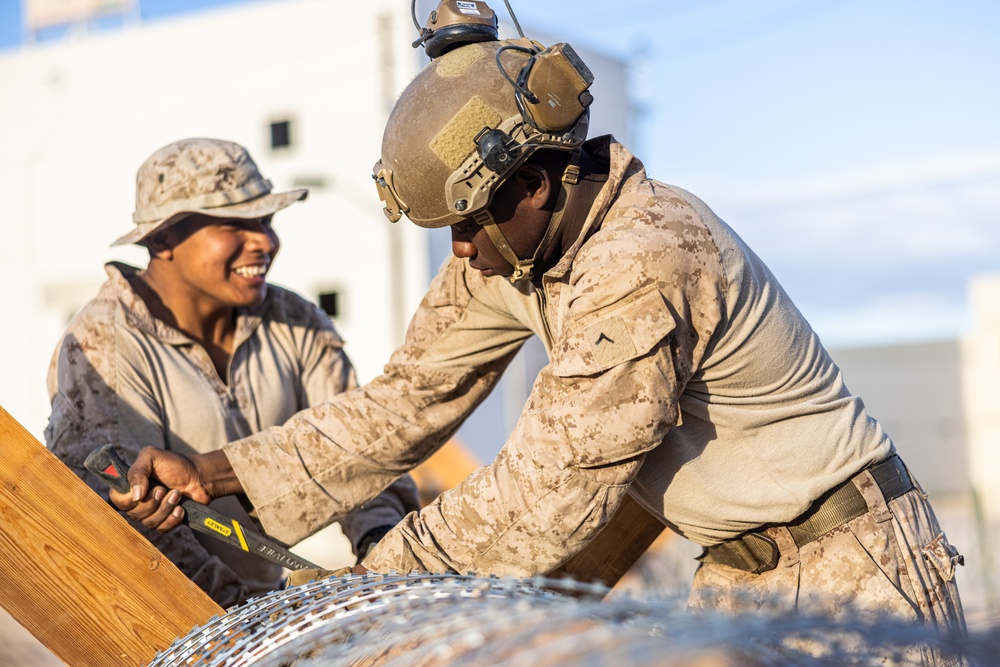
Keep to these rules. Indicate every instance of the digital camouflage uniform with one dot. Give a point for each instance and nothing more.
(680, 373)
(119, 375)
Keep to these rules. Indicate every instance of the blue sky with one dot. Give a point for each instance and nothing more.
(854, 144)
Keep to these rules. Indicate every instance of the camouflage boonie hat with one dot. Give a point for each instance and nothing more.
(201, 176)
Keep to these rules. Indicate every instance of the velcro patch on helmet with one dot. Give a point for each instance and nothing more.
(454, 142)
(456, 62)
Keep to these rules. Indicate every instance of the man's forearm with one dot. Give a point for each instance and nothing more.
(217, 474)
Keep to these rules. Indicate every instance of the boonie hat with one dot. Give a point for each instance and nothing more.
(201, 176)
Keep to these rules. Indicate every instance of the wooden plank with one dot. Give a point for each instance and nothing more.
(75, 574)
(444, 470)
(609, 556)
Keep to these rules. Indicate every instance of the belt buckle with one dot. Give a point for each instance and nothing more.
(763, 543)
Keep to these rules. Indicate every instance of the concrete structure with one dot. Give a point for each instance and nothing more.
(915, 391)
(940, 402)
(981, 391)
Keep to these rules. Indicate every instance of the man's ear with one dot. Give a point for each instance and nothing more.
(159, 246)
(535, 183)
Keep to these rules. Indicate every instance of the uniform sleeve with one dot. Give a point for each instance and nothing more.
(332, 458)
(642, 301)
(608, 397)
(95, 402)
(326, 373)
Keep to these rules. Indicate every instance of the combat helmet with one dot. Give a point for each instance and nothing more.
(468, 120)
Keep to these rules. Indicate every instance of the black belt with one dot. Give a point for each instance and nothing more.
(757, 552)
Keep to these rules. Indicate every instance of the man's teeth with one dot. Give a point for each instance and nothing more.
(250, 271)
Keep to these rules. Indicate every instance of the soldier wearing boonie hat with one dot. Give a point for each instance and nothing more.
(198, 349)
(206, 176)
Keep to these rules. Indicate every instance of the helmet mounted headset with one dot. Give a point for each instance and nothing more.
(552, 99)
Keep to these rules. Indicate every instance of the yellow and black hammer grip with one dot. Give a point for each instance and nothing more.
(106, 464)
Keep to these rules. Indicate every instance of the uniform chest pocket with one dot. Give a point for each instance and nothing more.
(614, 334)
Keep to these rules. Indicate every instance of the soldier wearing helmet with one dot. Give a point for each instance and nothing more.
(680, 374)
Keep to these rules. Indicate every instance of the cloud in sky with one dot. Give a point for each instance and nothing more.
(885, 250)
(891, 319)
(928, 208)
(852, 144)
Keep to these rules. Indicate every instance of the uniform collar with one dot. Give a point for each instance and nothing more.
(623, 165)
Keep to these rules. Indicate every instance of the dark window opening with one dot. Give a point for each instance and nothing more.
(281, 134)
(314, 181)
(328, 302)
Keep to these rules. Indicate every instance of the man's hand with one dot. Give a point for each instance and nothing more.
(201, 477)
(158, 510)
(173, 470)
(299, 577)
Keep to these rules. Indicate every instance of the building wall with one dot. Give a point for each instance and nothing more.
(915, 391)
(77, 117)
(981, 375)
(80, 116)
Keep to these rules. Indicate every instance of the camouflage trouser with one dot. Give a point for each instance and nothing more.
(894, 561)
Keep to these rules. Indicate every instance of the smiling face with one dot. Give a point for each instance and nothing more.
(221, 263)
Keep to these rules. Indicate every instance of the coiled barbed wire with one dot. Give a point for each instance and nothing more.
(426, 620)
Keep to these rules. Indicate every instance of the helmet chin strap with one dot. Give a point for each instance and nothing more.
(524, 268)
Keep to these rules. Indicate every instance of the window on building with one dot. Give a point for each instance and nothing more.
(328, 302)
(281, 134)
(311, 181)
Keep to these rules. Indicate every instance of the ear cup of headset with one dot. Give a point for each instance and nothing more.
(552, 88)
(454, 23)
(444, 39)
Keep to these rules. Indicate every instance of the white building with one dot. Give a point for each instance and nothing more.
(981, 393)
(302, 84)
(305, 87)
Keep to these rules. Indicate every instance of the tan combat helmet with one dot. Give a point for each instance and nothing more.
(201, 176)
(472, 117)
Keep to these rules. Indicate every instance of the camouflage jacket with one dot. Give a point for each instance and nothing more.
(680, 372)
(119, 375)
